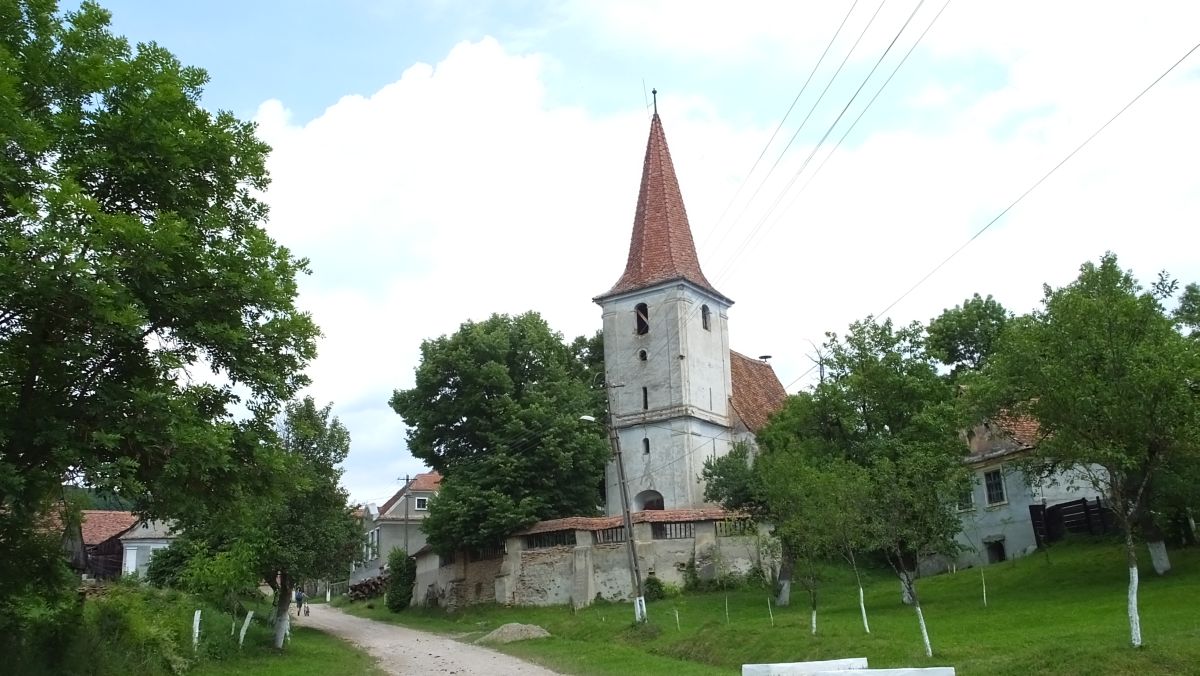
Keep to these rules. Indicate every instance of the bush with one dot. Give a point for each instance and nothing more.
(653, 588)
(402, 574)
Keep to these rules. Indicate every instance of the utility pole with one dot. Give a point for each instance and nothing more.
(407, 497)
(639, 600)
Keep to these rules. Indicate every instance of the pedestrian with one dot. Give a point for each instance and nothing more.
(299, 601)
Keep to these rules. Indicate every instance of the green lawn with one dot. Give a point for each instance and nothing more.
(309, 653)
(1064, 614)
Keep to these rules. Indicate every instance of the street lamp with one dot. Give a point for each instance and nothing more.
(639, 600)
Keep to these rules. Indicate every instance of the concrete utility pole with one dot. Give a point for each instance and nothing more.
(407, 497)
(635, 572)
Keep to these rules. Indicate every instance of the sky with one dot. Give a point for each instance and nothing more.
(441, 161)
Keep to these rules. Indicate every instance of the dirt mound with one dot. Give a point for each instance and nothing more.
(514, 632)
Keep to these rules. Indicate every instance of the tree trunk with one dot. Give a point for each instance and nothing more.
(812, 595)
(786, 566)
(983, 579)
(862, 605)
(911, 588)
(282, 617)
(1153, 536)
(1135, 621)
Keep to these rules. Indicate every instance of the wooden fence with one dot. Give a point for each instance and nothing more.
(1082, 517)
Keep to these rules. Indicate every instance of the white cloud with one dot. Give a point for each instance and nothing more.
(458, 191)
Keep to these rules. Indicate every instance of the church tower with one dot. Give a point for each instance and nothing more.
(666, 351)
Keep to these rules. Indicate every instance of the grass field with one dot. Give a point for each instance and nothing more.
(309, 653)
(1061, 613)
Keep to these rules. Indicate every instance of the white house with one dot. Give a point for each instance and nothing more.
(395, 524)
(1001, 512)
(140, 542)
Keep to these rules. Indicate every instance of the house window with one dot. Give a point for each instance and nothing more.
(966, 500)
(705, 321)
(642, 355)
(994, 482)
(645, 399)
(643, 319)
(646, 446)
(422, 503)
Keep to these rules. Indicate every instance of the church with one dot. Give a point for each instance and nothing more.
(676, 392)
(677, 396)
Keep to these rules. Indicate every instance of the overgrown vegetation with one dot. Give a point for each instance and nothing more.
(402, 574)
(1059, 615)
(127, 628)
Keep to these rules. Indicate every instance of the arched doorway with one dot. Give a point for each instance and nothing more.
(647, 500)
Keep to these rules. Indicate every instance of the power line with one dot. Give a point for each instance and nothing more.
(1038, 182)
(783, 193)
(796, 134)
(783, 119)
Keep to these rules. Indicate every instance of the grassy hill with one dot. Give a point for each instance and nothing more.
(1061, 612)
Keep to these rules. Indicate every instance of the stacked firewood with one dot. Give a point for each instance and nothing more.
(369, 588)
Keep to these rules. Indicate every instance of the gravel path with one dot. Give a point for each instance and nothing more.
(401, 650)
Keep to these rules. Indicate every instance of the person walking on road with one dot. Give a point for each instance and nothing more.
(300, 598)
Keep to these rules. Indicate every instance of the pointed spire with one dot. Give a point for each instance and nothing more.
(661, 248)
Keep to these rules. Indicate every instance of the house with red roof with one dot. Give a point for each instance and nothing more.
(1009, 513)
(397, 523)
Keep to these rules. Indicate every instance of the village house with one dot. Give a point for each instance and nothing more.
(395, 524)
(1009, 514)
(140, 542)
(677, 396)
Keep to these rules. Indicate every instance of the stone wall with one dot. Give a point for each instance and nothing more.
(582, 572)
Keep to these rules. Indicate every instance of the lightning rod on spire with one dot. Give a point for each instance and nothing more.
(654, 93)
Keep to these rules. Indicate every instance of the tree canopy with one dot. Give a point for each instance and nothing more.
(965, 336)
(132, 261)
(1111, 378)
(496, 409)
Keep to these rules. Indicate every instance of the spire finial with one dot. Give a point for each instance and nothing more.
(654, 93)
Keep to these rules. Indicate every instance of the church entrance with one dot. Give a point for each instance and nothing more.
(647, 500)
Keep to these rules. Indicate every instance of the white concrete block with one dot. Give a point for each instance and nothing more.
(853, 664)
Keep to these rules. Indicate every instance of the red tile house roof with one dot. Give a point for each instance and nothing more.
(661, 249)
(1001, 436)
(427, 482)
(648, 516)
(757, 392)
(101, 524)
(1023, 429)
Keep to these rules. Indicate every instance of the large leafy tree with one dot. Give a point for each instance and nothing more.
(1109, 375)
(132, 259)
(965, 336)
(883, 420)
(496, 409)
(298, 528)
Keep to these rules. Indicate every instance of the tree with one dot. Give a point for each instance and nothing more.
(131, 254)
(1112, 381)
(300, 527)
(884, 408)
(965, 336)
(495, 408)
(402, 573)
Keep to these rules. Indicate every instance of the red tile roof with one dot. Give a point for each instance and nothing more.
(1023, 429)
(649, 516)
(661, 248)
(101, 524)
(428, 482)
(757, 392)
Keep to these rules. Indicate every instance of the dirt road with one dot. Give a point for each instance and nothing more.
(407, 651)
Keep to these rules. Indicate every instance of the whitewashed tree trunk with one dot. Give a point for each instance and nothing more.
(1159, 557)
(282, 616)
(924, 631)
(784, 597)
(814, 622)
(983, 578)
(1135, 620)
(862, 605)
(245, 626)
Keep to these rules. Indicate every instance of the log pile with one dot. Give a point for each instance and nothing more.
(369, 588)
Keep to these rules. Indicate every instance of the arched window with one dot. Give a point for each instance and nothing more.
(643, 319)
(642, 355)
(645, 399)
(647, 500)
(705, 320)
(646, 446)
